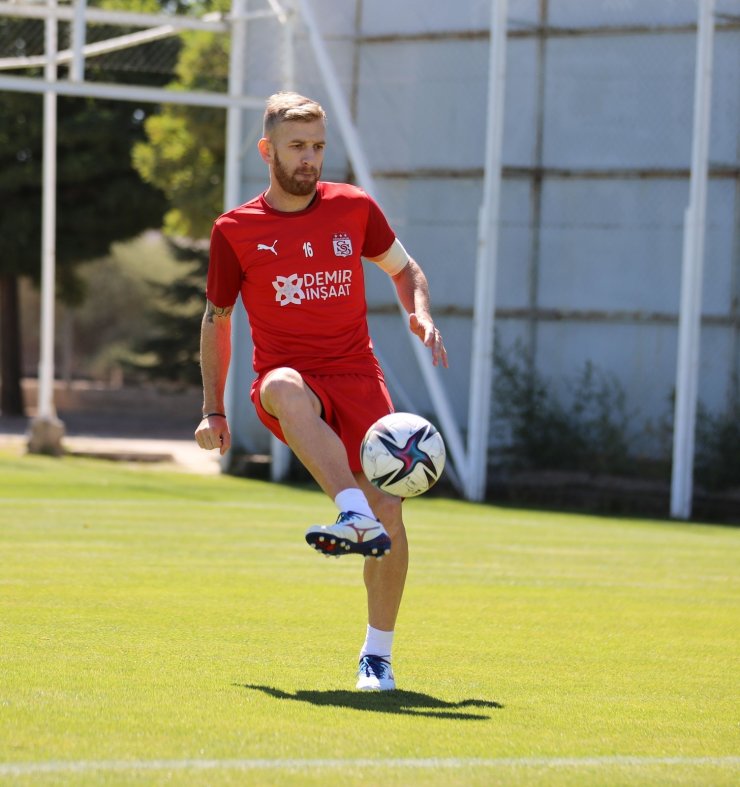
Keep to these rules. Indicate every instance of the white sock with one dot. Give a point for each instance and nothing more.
(353, 499)
(378, 643)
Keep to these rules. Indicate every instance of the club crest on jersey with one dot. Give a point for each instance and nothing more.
(342, 244)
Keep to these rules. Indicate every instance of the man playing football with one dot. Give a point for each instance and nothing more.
(294, 254)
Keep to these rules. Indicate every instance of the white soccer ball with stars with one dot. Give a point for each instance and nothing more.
(403, 454)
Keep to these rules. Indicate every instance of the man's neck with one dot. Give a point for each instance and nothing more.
(287, 203)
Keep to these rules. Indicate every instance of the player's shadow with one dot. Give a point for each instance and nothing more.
(410, 703)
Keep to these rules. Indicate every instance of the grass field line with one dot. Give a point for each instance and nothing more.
(96, 502)
(617, 761)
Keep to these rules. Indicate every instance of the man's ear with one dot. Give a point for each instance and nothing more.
(265, 148)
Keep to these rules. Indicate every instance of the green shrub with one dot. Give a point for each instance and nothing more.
(588, 433)
(717, 458)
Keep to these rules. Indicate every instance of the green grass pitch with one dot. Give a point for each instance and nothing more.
(163, 628)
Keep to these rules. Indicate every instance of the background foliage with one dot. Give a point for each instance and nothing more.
(184, 151)
(100, 197)
(120, 171)
(592, 432)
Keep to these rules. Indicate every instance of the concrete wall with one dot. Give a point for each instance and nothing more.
(597, 143)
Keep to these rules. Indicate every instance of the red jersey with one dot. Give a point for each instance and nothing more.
(300, 277)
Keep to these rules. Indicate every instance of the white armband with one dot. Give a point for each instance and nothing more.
(394, 260)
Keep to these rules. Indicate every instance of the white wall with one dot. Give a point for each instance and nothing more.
(611, 111)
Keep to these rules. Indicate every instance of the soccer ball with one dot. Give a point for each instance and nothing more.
(403, 454)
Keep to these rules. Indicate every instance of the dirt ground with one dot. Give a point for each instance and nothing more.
(138, 426)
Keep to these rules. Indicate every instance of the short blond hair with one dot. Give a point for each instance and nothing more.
(285, 106)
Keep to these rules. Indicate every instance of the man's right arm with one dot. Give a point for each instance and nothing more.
(215, 355)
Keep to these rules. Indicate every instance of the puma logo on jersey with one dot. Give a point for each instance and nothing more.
(264, 247)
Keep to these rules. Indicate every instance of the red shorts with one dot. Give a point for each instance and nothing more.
(350, 403)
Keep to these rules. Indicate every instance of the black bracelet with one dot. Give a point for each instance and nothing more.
(220, 415)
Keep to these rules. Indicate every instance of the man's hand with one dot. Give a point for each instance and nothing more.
(213, 432)
(424, 328)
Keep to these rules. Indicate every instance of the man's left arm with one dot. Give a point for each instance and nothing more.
(413, 292)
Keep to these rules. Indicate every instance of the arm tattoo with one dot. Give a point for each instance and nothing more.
(217, 311)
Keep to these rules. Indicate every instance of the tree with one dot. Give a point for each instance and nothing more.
(185, 149)
(100, 196)
(184, 155)
(170, 350)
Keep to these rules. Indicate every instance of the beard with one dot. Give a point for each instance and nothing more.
(290, 183)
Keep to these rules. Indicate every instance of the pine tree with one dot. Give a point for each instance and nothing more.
(184, 156)
(100, 196)
(171, 352)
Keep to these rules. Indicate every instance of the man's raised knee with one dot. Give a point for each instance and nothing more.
(284, 390)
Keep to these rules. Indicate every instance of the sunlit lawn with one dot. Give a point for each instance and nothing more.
(159, 627)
